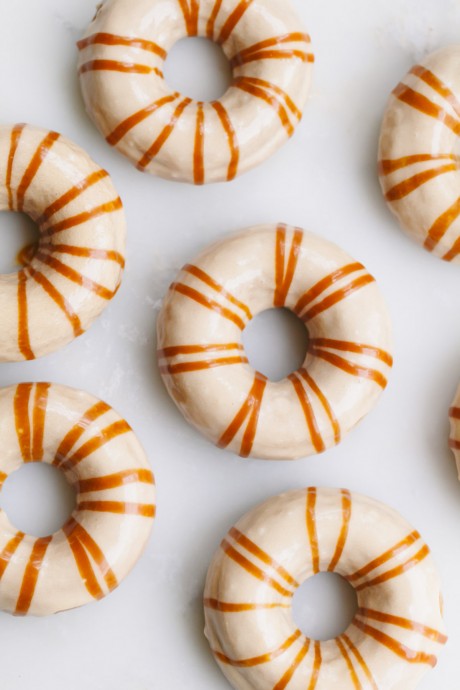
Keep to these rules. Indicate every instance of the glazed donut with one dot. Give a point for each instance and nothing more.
(78, 263)
(206, 371)
(398, 627)
(104, 462)
(454, 418)
(418, 164)
(164, 133)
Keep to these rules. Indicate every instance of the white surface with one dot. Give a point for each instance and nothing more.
(148, 634)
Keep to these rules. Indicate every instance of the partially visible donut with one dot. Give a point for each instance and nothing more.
(121, 63)
(107, 532)
(454, 418)
(78, 263)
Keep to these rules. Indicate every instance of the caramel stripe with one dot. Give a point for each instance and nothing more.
(211, 304)
(253, 570)
(359, 348)
(354, 650)
(349, 367)
(232, 139)
(198, 151)
(442, 225)
(273, 87)
(316, 666)
(94, 551)
(26, 254)
(103, 436)
(59, 299)
(349, 663)
(250, 546)
(454, 412)
(453, 251)
(118, 507)
(9, 550)
(34, 165)
(164, 135)
(74, 276)
(108, 39)
(453, 443)
(386, 556)
(3, 477)
(200, 365)
(212, 19)
(402, 189)
(250, 407)
(409, 655)
(286, 677)
(337, 296)
(190, 15)
(75, 433)
(111, 481)
(71, 195)
(311, 528)
(233, 20)
(258, 92)
(405, 623)
(226, 607)
(324, 402)
(32, 571)
(325, 283)
(84, 566)
(22, 420)
(308, 412)
(437, 85)
(241, 57)
(15, 136)
(87, 253)
(109, 207)
(117, 66)
(388, 166)
(38, 420)
(23, 318)
(197, 349)
(124, 127)
(276, 55)
(395, 572)
(263, 658)
(346, 516)
(424, 105)
(284, 274)
(205, 278)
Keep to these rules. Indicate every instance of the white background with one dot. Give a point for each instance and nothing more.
(148, 634)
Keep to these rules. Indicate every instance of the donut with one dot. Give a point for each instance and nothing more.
(398, 628)
(67, 279)
(163, 132)
(106, 465)
(418, 161)
(204, 365)
(454, 418)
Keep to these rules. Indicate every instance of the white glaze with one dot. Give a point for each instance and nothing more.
(291, 537)
(423, 119)
(78, 264)
(454, 418)
(296, 416)
(201, 148)
(109, 527)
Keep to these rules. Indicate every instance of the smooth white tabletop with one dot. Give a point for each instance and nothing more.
(147, 635)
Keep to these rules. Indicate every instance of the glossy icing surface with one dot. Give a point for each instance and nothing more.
(418, 156)
(397, 631)
(164, 133)
(77, 266)
(105, 463)
(202, 359)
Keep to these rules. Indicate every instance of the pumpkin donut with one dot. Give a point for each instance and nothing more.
(105, 463)
(398, 628)
(162, 132)
(206, 371)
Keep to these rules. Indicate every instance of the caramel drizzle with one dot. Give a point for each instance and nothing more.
(316, 666)
(77, 431)
(74, 276)
(3, 477)
(34, 166)
(341, 541)
(262, 555)
(280, 102)
(214, 285)
(23, 319)
(284, 272)
(454, 412)
(349, 367)
(118, 66)
(190, 13)
(127, 125)
(30, 435)
(398, 570)
(286, 677)
(308, 410)
(175, 350)
(112, 481)
(89, 253)
(336, 297)
(453, 251)
(254, 570)
(200, 364)
(259, 51)
(101, 438)
(358, 348)
(58, 298)
(233, 20)
(388, 166)
(354, 650)
(394, 551)
(108, 39)
(322, 285)
(212, 19)
(310, 517)
(441, 226)
(263, 658)
(31, 574)
(227, 607)
(419, 102)
(406, 624)
(163, 136)
(250, 410)
(437, 85)
(349, 663)
(15, 136)
(232, 139)
(9, 550)
(403, 189)
(80, 218)
(118, 508)
(409, 655)
(198, 152)
(72, 194)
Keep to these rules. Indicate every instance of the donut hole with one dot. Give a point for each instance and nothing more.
(198, 68)
(276, 343)
(37, 499)
(19, 235)
(324, 606)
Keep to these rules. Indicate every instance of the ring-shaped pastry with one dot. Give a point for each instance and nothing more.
(77, 266)
(398, 628)
(164, 133)
(206, 371)
(106, 533)
(418, 153)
